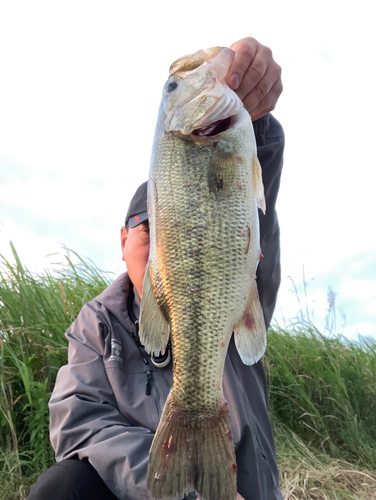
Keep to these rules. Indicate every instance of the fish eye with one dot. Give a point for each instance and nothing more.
(171, 86)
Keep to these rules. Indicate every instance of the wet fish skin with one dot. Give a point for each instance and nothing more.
(200, 283)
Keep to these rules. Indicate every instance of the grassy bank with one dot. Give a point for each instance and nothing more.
(322, 391)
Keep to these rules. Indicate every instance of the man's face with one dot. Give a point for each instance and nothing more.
(135, 245)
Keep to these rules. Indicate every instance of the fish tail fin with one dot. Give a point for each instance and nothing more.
(192, 455)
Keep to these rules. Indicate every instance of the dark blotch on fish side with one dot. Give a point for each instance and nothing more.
(221, 170)
(218, 183)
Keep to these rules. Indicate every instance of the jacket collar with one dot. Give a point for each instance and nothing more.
(115, 299)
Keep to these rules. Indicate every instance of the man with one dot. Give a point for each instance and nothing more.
(108, 399)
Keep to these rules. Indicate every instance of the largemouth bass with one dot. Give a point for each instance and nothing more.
(204, 190)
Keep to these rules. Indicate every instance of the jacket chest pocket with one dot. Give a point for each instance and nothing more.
(140, 388)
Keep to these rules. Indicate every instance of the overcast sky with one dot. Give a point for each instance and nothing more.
(80, 86)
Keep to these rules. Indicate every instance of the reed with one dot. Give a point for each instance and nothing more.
(322, 389)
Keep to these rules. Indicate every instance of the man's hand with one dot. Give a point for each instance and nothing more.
(255, 77)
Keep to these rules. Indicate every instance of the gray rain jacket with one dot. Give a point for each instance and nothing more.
(100, 410)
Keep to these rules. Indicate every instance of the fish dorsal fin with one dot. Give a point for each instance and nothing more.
(258, 184)
(188, 63)
(250, 333)
(154, 328)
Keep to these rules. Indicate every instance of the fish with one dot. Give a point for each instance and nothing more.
(204, 191)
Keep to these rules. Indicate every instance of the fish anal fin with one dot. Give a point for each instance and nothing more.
(258, 184)
(250, 332)
(154, 329)
(222, 168)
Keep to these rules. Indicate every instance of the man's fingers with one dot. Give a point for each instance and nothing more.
(263, 88)
(259, 69)
(245, 51)
(256, 92)
(255, 76)
(267, 104)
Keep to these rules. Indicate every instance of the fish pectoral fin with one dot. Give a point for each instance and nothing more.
(222, 168)
(258, 184)
(250, 333)
(154, 329)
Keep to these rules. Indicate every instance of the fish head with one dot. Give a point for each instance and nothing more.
(196, 96)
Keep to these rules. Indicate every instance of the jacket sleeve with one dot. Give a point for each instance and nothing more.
(270, 145)
(84, 419)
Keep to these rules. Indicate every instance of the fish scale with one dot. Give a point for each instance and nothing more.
(200, 286)
(193, 268)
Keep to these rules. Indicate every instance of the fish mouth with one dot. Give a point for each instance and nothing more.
(214, 128)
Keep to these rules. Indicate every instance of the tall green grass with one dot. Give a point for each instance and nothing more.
(322, 390)
(35, 311)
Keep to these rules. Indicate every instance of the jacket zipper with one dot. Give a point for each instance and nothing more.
(148, 383)
(148, 372)
(138, 344)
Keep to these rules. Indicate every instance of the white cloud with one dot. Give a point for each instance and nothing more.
(363, 329)
(78, 114)
(35, 251)
(360, 289)
(363, 292)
